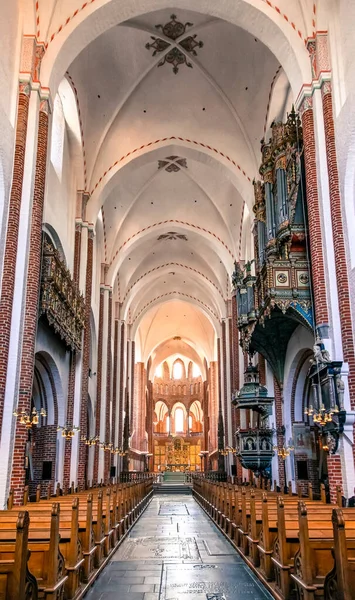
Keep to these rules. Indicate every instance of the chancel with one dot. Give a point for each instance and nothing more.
(177, 356)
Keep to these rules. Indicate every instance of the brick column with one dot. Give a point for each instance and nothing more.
(108, 388)
(213, 407)
(121, 389)
(69, 420)
(99, 384)
(225, 388)
(10, 251)
(32, 299)
(314, 220)
(221, 465)
(72, 364)
(334, 475)
(114, 392)
(85, 363)
(338, 238)
(279, 425)
(236, 373)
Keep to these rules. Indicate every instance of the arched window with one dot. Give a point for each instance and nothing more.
(184, 390)
(191, 389)
(174, 390)
(166, 390)
(179, 390)
(177, 371)
(57, 142)
(159, 371)
(179, 420)
(162, 389)
(195, 371)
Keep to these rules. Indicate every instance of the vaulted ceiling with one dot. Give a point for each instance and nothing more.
(173, 105)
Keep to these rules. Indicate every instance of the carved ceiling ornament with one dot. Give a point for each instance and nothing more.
(174, 30)
(172, 164)
(172, 235)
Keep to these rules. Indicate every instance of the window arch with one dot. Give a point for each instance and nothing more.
(178, 370)
(179, 420)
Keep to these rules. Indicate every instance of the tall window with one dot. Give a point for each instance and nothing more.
(195, 371)
(167, 427)
(179, 420)
(57, 142)
(177, 372)
(159, 371)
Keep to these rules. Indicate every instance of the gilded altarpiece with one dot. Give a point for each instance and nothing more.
(176, 454)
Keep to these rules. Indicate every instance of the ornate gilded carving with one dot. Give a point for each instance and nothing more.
(61, 303)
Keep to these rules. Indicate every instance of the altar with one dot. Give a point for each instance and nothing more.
(176, 455)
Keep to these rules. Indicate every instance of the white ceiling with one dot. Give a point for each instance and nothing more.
(216, 112)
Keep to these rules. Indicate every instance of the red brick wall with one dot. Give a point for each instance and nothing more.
(338, 238)
(114, 388)
(99, 383)
(44, 449)
(314, 221)
(72, 365)
(70, 413)
(121, 391)
(279, 423)
(225, 398)
(85, 364)
(10, 252)
(108, 387)
(334, 475)
(32, 299)
(236, 377)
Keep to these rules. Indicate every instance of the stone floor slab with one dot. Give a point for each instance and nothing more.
(175, 552)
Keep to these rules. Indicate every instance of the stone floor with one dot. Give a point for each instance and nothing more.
(175, 552)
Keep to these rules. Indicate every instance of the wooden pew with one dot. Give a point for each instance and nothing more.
(339, 583)
(46, 561)
(16, 580)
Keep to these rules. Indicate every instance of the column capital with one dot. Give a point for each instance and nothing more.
(304, 101)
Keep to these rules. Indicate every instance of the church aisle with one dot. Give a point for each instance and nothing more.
(175, 552)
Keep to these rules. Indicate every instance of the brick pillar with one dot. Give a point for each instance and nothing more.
(314, 221)
(108, 388)
(72, 365)
(338, 237)
(114, 391)
(279, 425)
(70, 414)
(334, 475)
(77, 252)
(10, 251)
(225, 389)
(213, 407)
(236, 372)
(121, 390)
(32, 299)
(85, 364)
(99, 384)
(262, 369)
(221, 465)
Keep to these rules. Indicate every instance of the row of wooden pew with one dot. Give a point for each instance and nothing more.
(54, 548)
(300, 548)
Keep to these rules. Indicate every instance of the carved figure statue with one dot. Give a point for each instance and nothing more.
(321, 355)
(340, 390)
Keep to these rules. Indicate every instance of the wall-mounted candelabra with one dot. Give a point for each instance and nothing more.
(30, 418)
(68, 431)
